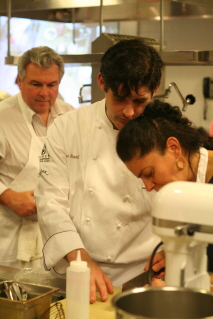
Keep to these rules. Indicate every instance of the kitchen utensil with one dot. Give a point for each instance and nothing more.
(19, 292)
(163, 302)
(54, 312)
(182, 217)
(7, 290)
(38, 300)
(14, 291)
(140, 280)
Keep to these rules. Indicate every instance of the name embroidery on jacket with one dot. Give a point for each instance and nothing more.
(73, 156)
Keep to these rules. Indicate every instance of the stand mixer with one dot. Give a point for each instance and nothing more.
(183, 218)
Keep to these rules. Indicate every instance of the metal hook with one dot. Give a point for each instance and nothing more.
(190, 99)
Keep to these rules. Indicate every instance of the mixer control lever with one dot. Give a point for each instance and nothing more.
(186, 229)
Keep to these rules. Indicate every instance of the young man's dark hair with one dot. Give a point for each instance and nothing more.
(133, 64)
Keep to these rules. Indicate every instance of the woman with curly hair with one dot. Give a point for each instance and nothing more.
(162, 146)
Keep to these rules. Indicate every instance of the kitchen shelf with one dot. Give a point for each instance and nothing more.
(168, 57)
(187, 57)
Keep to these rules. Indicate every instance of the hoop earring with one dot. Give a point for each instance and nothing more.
(183, 163)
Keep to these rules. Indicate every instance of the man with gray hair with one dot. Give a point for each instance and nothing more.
(24, 120)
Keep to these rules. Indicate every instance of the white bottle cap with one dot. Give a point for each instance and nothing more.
(78, 264)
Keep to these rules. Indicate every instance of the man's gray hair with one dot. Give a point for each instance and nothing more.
(44, 57)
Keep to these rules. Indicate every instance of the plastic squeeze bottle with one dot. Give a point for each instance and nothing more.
(77, 289)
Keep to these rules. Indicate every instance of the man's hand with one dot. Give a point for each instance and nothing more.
(22, 203)
(158, 264)
(157, 283)
(98, 279)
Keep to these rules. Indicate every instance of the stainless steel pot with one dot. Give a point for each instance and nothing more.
(163, 302)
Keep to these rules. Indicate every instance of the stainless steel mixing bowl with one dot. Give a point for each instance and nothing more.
(163, 302)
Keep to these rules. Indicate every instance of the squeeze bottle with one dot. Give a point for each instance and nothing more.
(77, 289)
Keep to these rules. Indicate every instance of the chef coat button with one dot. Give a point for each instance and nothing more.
(118, 226)
(99, 126)
(90, 190)
(88, 220)
(109, 258)
(95, 158)
(126, 198)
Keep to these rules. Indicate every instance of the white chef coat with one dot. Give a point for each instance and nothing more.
(87, 198)
(15, 137)
(20, 239)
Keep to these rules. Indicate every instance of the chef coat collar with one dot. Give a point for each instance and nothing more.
(27, 110)
(55, 110)
(202, 166)
(105, 117)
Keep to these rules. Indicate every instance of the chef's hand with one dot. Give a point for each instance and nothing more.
(157, 283)
(158, 264)
(22, 203)
(98, 279)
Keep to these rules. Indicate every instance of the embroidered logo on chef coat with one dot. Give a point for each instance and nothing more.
(42, 171)
(44, 155)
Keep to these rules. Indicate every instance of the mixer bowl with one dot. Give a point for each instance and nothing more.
(163, 302)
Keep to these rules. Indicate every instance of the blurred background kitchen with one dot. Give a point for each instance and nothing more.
(70, 27)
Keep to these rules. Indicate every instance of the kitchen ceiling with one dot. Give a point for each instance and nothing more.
(113, 10)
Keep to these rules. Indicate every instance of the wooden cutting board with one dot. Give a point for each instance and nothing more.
(100, 309)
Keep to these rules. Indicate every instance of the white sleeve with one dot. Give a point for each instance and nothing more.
(3, 187)
(52, 199)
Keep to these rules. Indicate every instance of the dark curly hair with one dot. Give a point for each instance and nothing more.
(152, 129)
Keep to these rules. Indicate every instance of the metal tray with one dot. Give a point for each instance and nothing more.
(38, 302)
